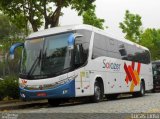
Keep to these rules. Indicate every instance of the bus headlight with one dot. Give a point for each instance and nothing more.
(49, 86)
(61, 82)
(23, 95)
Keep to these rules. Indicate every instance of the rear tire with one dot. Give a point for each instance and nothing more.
(54, 102)
(142, 89)
(98, 93)
(141, 92)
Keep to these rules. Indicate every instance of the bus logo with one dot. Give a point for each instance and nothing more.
(111, 65)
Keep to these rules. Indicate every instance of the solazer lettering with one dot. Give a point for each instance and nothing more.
(112, 66)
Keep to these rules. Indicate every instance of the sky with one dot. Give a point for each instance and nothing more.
(113, 12)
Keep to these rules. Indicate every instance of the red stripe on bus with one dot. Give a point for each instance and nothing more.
(133, 64)
(127, 79)
(132, 74)
(139, 68)
(127, 72)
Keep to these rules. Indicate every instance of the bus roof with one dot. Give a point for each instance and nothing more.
(61, 29)
(57, 30)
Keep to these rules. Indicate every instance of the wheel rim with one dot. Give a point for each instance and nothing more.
(97, 92)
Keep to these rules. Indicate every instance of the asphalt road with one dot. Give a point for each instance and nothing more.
(125, 107)
(150, 103)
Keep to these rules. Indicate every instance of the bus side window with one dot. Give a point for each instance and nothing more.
(99, 46)
(113, 49)
(79, 58)
(85, 44)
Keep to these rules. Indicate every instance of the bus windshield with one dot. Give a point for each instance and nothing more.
(46, 56)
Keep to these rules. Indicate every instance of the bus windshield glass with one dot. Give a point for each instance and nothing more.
(46, 56)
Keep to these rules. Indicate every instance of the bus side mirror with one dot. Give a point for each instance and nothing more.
(72, 40)
(78, 39)
(12, 49)
(76, 35)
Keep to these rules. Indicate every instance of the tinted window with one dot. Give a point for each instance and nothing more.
(105, 46)
(99, 46)
(113, 50)
(85, 44)
(136, 54)
(142, 56)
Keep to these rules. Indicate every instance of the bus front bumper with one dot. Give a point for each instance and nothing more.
(63, 91)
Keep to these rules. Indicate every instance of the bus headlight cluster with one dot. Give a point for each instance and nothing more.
(61, 82)
(49, 86)
(23, 95)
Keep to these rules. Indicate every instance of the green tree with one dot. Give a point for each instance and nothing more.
(131, 26)
(9, 34)
(89, 17)
(151, 39)
(4, 31)
(8, 29)
(39, 12)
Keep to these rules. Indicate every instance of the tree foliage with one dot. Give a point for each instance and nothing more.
(39, 12)
(151, 39)
(8, 29)
(9, 34)
(89, 17)
(131, 26)
(9, 87)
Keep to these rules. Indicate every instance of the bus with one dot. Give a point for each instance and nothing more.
(81, 61)
(156, 75)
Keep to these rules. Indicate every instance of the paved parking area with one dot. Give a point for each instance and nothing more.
(125, 107)
(150, 103)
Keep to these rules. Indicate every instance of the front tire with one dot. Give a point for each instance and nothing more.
(98, 93)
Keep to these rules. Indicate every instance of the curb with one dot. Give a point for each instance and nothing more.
(9, 101)
(22, 105)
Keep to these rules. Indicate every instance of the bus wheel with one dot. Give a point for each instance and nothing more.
(142, 89)
(54, 102)
(97, 97)
(141, 92)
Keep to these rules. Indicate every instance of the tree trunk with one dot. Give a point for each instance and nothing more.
(56, 14)
(55, 18)
(45, 15)
(34, 28)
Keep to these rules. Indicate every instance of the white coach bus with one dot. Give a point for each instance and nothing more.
(81, 61)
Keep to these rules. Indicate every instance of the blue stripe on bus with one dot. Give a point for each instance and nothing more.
(51, 93)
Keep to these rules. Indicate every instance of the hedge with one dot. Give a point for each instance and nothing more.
(9, 87)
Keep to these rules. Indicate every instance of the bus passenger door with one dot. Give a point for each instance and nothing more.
(82, 85)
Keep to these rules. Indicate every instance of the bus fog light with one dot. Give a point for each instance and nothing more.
(23, 95)
(65, 91)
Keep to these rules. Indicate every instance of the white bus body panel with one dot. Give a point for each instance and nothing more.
(113, 79)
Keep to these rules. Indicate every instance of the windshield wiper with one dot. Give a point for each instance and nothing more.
(33, 67)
